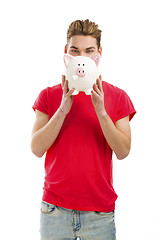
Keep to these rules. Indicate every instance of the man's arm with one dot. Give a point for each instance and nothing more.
(118, 136)
(45, 131)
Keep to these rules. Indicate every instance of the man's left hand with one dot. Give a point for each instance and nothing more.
(97, 96)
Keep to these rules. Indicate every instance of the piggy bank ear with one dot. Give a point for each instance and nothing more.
(96, 58)
(67, 59)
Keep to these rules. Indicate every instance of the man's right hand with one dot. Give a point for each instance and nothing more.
(67, 98)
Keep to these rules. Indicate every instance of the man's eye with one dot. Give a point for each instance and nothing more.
(74, 51)
(89, 51)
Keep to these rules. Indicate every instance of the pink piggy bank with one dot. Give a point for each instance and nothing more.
(81, 72)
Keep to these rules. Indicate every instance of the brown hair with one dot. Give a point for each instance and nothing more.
(86, 27)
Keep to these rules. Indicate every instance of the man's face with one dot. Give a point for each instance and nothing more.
(82, 46)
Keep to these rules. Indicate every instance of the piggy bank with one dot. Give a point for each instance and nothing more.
(81, 72)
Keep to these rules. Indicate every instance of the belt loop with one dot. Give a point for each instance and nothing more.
(76, 220)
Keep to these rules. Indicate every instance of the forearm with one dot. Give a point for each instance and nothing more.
(118, 141)
(45, 136)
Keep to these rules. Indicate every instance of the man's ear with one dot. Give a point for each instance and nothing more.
(65, 49)
(100, 51)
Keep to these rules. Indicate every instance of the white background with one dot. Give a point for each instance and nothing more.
(32, 39)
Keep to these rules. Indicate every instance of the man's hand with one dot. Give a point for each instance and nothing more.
(97, 96)
(67, 98)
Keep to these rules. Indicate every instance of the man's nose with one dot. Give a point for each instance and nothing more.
(83, 54)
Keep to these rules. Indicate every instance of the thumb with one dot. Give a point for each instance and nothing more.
(63, 80)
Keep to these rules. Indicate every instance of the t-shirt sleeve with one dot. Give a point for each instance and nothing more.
(125, 107)
(41, 103)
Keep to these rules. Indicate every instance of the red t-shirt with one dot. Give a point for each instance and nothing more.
(78, 166)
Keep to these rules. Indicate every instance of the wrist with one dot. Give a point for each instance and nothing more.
(61, 111)
(101, 112)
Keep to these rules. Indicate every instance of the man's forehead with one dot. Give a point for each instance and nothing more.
(84, 42)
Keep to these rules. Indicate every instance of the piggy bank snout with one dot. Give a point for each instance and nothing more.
(80, 72)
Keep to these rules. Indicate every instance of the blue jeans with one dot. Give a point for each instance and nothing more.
(57, 223)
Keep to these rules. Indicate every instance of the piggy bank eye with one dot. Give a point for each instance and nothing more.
(78, 64)
(83, 64)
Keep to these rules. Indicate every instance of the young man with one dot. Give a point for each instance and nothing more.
(78, 135)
